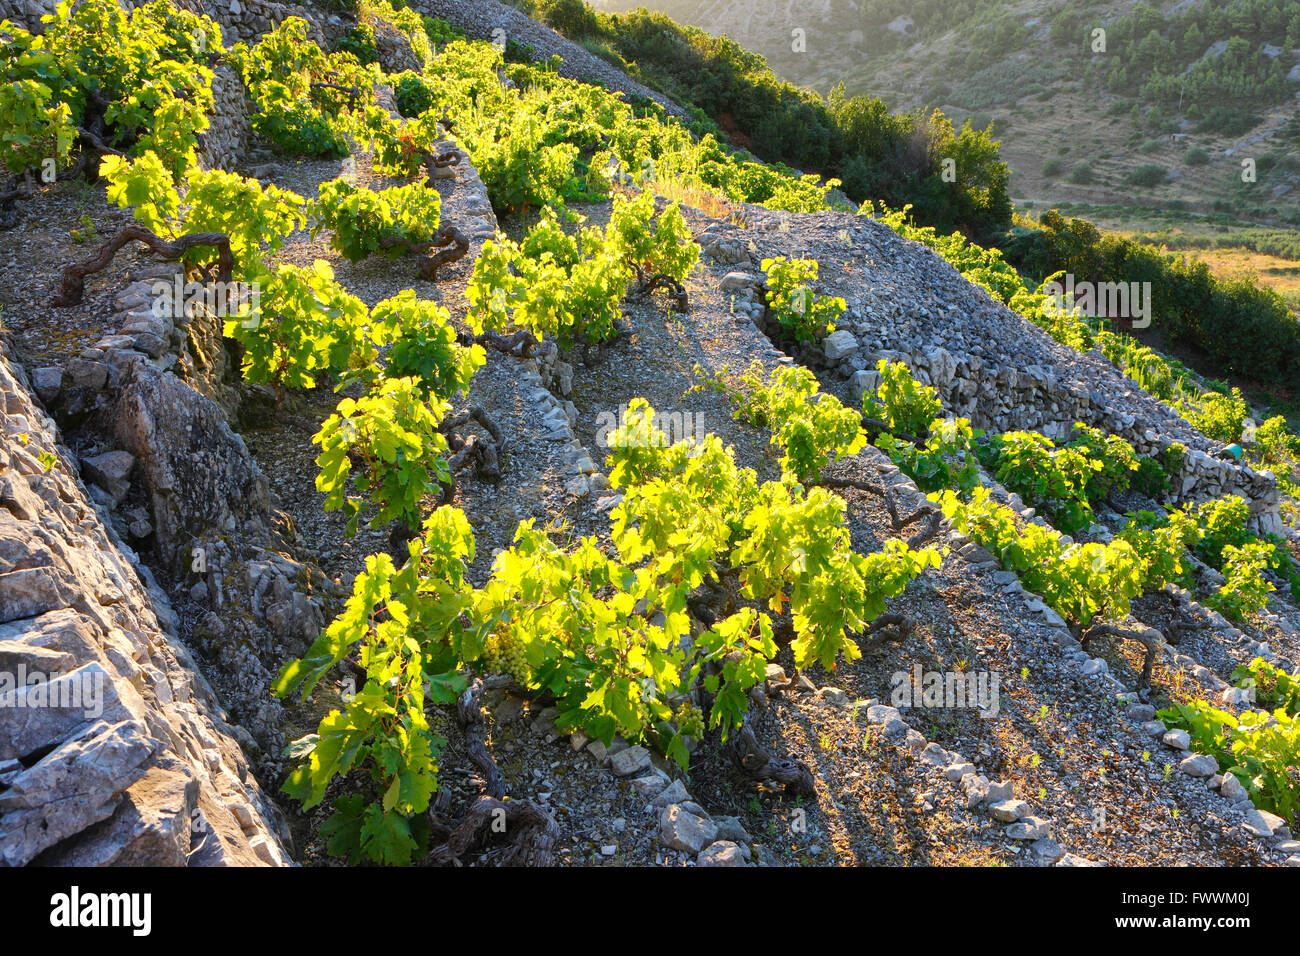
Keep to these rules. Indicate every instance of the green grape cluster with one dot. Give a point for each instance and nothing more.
(689, 719)
(507, 656)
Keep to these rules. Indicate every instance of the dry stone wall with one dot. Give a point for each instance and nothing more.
(226, 138)
(113, 748)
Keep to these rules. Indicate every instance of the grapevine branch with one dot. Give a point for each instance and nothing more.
(876, 427)
(857, 484)
(533, 830)
(434, 161)
(932, 516)
(483, 455)
(469, 707)
(930, 530)
(73, 285)
(886, 629)
(1182, 623)
(1148, 637)
(522, 340)
(23, 187)
(447, 236)
(353, 93)
(95, 140)
(749, 756)
(753, 760)
(676, 292)
(1180, 619)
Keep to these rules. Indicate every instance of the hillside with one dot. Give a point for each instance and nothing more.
(449, 453)
(1071, 130)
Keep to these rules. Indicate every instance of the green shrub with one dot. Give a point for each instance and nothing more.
(902, 402)
(1082, 175)
(805, 315)
(1219, 416)
(573, 18)
(1275, 443)
(1228, 121)
(1147, 175)
(412, 93)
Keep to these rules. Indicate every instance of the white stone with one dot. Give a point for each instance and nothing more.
(682, 830)
(839, 344)
(721, 853)
(630, 761)
(1232, 789)
(1030, 828)
(675, 792)
(736, 281)
(1001, 790)
(1199, 765)
(1261, 822)
(957, 771)
(1008, 811)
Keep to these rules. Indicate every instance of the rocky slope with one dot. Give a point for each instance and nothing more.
(113, 748)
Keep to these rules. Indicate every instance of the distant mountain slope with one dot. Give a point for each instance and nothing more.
(1165, 114)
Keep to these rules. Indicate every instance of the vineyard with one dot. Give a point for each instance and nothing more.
(537, 480)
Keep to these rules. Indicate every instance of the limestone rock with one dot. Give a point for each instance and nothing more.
(839, 344)
(721, 853)
(111, 471)
(1199, 765)
(630, 761)
(683, 830)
